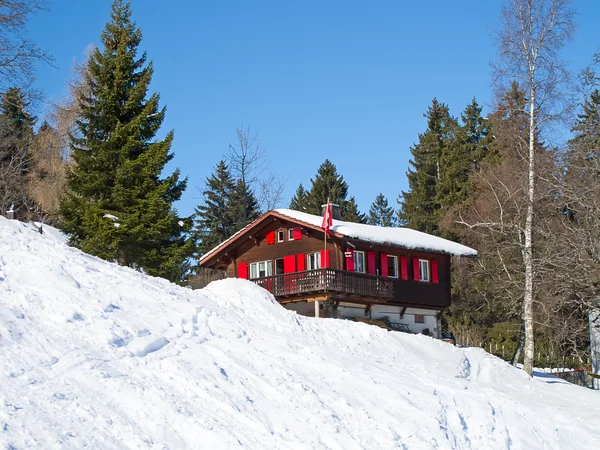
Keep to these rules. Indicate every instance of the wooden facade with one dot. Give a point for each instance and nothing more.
(291, 279)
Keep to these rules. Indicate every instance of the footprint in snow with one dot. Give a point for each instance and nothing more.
(464, 368)
(111, 308)
(76, 317)
(120, 341)
(153, 346)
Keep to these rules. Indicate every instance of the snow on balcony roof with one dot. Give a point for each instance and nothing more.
(398, 237)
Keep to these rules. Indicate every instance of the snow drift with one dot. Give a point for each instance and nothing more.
(95, 355)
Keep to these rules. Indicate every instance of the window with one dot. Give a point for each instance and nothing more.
(261, 269)
(359, 261)
(392, 266)
(313, 261)
(424, 268)
(291, 234)
(280, 235)
(279, 267)
(419, 318)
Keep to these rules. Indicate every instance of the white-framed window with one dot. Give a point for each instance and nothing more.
(419, 318)
(290, 234)
(359, 262)
(392, 266)
(261, 269)
(313, 261)
(424, 269)
(280, 235)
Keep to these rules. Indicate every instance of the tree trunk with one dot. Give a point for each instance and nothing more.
(528, 248)
(520, 345)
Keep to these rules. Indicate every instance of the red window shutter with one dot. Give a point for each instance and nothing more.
(242, 271)
(271, 237)
(371, 263)
(434, 271)
(403, 268)
(289, 264)
(416, 270)
(384, 264)
(297, 234)
(301, 262)
(325, 259)
(350, 260)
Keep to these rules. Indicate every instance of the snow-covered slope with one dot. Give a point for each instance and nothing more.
(98, 356)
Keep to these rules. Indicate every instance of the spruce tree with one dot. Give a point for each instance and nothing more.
(381, 214)
(243, 205)
(328, 184)
(16, 133)
(586, 132)
(15, 107)
(458, 161)
(214, 219)
(350, 212)
(510, 124)
(420, 204)
(14, 112)
(118, 206)
(299, 200)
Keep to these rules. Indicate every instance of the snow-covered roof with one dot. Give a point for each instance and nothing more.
(394, 236)
(226, 241)
(397, 237)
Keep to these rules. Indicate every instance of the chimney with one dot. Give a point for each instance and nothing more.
(335, 211)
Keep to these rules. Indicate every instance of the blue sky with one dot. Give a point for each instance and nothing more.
(343, 80)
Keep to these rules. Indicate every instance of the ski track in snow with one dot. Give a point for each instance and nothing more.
(99, 356)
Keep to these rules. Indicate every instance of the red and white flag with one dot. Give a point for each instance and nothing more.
(327, 220)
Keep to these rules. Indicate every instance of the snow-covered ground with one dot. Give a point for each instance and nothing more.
(98, 356)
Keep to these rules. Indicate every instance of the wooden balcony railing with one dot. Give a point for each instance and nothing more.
(327, 280)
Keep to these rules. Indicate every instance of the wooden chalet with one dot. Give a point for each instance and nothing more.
(363, 271)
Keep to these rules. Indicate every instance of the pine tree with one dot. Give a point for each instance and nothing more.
(459, 160)
(214, 219)
(118, 206)
(299, 200)
(381, 214)
(420, 204)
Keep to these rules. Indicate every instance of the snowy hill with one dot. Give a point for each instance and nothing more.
(99, 356)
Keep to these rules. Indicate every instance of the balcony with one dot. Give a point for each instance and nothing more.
(327, 281)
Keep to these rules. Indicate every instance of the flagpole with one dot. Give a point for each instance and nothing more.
(325, 248)
(326, 226)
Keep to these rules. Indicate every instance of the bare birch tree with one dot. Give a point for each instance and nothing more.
(271, 191)
(50, 149)
(47, 177)
(18, 53)
(247, 159)
(249, 163)
(531, 35)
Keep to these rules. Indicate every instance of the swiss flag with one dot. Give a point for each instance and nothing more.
(327, 220)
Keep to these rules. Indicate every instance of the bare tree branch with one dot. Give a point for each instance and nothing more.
(18, 53)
